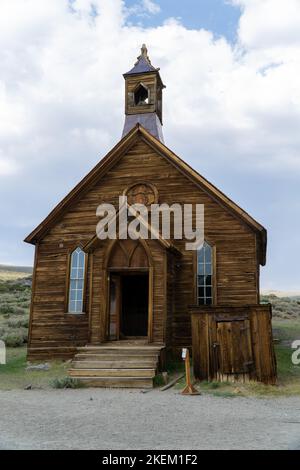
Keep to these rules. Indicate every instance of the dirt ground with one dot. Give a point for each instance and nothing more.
(123, 419)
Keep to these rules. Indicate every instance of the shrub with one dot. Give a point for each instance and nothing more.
(214, 385)
(3, 331)
(5, 298)
(19, 311)
(283, 307)
(13, 340)
(25, 304)
(12, 308)
(14, 337)
(66, 382)
(158, 381)
(6, 308)
(17, 322)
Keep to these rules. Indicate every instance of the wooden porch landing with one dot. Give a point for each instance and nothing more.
(126, 363)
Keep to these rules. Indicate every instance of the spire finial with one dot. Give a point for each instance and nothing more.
(144, 55)
(144, 51)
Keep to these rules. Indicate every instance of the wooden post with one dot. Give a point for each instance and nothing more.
(189, 389)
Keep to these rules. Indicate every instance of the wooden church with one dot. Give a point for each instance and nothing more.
(120, 307)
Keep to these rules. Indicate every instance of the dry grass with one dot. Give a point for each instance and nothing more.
(284, 308)
(11, 275)
(14, 375)
(14, 310)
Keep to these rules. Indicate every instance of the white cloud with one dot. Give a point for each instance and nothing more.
(150, 6)
(7, 167)
(142, 8)
(62, 91)
(61, 66)
(269, 23)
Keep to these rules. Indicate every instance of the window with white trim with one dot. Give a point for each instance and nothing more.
(205, 275)
(76, 286)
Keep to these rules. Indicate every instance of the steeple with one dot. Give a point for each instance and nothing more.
(143, 96)
(143, 63)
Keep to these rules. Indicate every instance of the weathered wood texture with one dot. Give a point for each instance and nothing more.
(170, 281)
(53, 331)
(233, 343)
(152, 82)
(237, 265)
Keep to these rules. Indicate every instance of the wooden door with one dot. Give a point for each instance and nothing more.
(235, 349)
(114, 307)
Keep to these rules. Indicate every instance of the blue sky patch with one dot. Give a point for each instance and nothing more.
(218, 16)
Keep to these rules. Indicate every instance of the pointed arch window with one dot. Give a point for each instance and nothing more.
(141, 95)
(76, 281)
(205, 275)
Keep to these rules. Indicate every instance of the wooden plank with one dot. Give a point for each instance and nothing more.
(31, 313)
(244, 348)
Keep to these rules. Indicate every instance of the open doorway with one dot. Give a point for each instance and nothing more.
(134, 305)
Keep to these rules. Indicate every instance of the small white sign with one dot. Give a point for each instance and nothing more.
(2, 352)
(184, 353)
(296, 354)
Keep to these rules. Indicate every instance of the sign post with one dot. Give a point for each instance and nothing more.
(189, 389)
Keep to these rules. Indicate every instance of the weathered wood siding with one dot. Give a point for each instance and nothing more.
(236, 257)
(233, 343)
(53, 332)
(171, 282)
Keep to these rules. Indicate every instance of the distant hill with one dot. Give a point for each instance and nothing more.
(282, 293)
(285, 307)
(16, 269)
(9, 273)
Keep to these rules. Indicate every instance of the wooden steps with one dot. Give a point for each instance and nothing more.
(140, 373)
(117, 382)
(119, 364)
(114, 364)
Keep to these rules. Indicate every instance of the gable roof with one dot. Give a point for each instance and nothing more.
(114, 156)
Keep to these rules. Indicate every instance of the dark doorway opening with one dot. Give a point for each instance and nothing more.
(134, 312)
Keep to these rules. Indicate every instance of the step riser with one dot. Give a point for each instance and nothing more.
(139, 373)
(113, 365)
(124, 345)
(117, 383)
(123, 351)
(113, 357)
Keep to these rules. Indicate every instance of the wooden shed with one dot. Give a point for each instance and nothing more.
(233, 343)
(116, 306)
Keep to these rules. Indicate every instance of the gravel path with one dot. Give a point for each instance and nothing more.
(122, 419)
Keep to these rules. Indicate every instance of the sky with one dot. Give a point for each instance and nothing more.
(231, 106)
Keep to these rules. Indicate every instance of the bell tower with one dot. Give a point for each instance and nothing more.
(143, 96)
